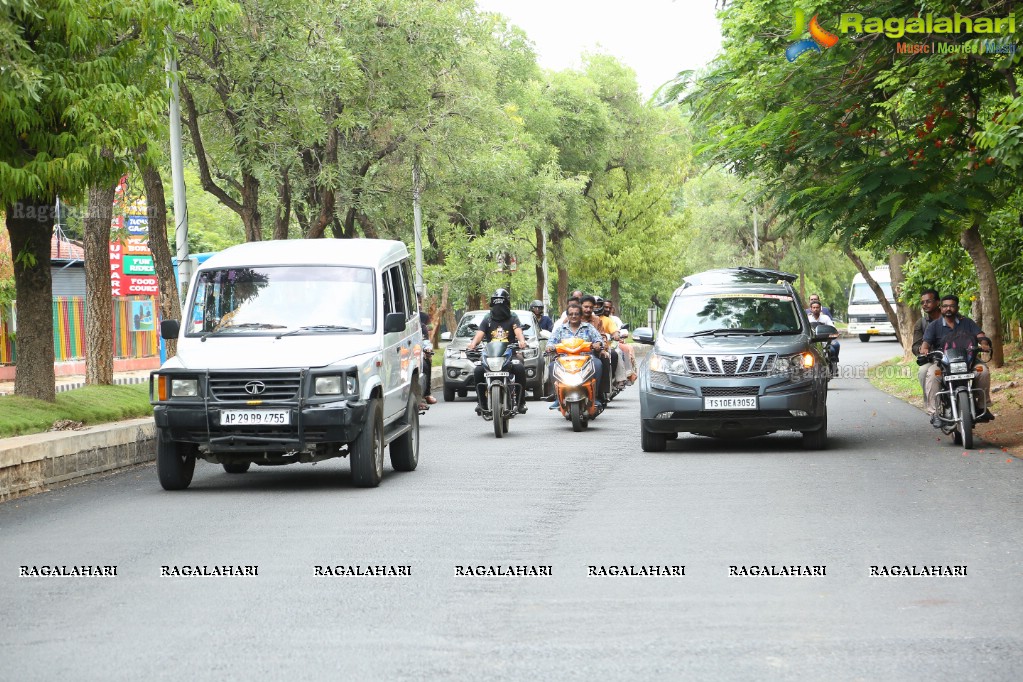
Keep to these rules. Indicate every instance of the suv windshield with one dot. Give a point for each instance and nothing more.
(266, 300)
(732, 312)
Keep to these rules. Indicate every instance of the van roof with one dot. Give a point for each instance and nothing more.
(358, 252)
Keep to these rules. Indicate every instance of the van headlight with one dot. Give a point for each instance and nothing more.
(337, 384)
(667, 364)
(184, 388)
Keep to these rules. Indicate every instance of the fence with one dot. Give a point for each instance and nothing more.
(69, 331)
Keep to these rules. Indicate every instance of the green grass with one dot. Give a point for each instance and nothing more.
(899, 379)
(90, 405)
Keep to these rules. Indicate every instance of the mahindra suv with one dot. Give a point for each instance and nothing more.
(735, 357)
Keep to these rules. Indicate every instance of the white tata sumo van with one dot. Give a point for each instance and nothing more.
(293, 351)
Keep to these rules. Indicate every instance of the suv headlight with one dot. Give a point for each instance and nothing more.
(454, 353)
(795, 366)
(530, 352)
(667, 364)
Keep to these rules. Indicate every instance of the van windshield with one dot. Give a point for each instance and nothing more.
(862, 294)
(267, 300)
(737, 313)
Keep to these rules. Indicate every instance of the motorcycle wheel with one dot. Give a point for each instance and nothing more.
(578, 419)
(497, 407)
(965, 427)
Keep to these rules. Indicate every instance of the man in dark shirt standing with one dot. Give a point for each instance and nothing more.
(929, 299)
(934, 338)
(427, 369)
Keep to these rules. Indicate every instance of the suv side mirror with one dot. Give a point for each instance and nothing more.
(446, 336)
(169, 329)
(822, 333)
(643, 335)
(544, 334)
(394, 322)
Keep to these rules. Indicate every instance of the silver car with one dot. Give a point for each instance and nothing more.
(458, 370)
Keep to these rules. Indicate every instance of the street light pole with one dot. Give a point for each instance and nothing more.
(178, 180)
(417, 221)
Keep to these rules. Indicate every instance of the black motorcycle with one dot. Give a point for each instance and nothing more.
(501, 391)
(830, 352)
(960, 404)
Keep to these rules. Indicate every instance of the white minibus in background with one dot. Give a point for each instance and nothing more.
(866, 316)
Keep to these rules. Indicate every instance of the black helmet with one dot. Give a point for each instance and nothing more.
(536, 304)
(500, 296)
(598, 305)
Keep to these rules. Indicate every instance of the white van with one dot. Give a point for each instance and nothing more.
(866, 316)
(293, 351)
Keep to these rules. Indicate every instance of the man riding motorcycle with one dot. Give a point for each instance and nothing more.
(951, 322)
(608, 362)
(500, 325)
(818, 316)
(541, 321)
(575, 327)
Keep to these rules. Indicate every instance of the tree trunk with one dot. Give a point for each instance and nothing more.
(156, 210)
(283, 216)
(615, 294)
(989, 295)
(251, 217)
(540, 274)
(908, 313)
(905, 342)
(558, 251)
(30, 226)
(99, 302)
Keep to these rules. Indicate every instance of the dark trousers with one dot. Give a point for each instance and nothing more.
(518, 374)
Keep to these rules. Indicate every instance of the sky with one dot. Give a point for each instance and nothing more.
(657, 38)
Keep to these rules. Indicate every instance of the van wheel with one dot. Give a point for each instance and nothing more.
(405, 448)
(449, 395)
(864, 337)
(175, 462)
(236, 467)
(367, 452)
(816, 440)
(652, 442)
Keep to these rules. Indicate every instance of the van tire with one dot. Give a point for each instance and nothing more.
(175, 462)
(405, 448)
(367, 451)
(236, 467)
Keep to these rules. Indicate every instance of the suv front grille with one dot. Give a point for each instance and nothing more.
(730, 390)
(275, 386)
(730, 365)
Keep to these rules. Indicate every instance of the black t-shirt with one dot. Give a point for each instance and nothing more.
(499, 331)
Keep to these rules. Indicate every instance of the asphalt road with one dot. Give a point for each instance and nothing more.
(886, 493)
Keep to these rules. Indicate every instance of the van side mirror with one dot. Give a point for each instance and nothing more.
(169, 329)
(394, 322)
(643, 335)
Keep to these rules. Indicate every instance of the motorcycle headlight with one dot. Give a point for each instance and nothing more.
(667, 364)
(957, 368)
(495, 364)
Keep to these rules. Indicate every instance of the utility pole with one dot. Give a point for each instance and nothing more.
(417, 223)
(543, 270)
(178, 179)
(756, 240)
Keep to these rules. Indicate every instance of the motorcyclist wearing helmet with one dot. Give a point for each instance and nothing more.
(500, 325)
(540, 320)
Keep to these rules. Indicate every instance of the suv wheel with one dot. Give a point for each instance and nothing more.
(816, 440)
(405, 448)
(449, 395)
(652, 442)
(367, 452)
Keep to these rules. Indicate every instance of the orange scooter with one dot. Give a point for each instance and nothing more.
(575, 382)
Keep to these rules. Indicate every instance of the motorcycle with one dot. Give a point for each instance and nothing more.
(575, 382)
(959, 403)
(503, 394)
(831, 353)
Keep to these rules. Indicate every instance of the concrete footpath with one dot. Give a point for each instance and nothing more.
(41, 461)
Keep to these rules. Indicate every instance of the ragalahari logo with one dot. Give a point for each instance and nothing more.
(818, 36)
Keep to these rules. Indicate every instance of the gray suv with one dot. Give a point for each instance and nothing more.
(458, 370)
(735, 357)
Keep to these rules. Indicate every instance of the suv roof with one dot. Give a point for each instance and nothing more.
(740, 275)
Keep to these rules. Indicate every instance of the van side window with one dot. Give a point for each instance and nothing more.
(410, 291)
(385, 290)
(397, 291)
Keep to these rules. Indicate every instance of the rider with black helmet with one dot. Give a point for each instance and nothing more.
(540, 321)
(500, 325)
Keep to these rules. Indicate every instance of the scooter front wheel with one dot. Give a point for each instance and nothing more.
(579, 421)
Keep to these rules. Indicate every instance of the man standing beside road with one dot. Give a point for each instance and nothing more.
(929, 307)
(935, 336)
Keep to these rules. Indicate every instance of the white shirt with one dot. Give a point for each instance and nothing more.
(823, 319)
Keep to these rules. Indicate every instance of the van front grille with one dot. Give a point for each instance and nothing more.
(233, 387)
